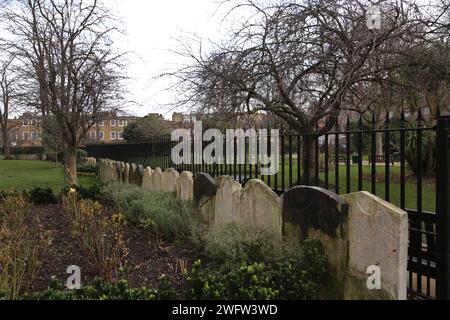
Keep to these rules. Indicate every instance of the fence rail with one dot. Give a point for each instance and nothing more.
(341, 161)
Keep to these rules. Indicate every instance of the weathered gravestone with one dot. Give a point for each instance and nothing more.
(185, 186)
(260, 206)
(205, 189)
(147, 179)
(133, 172)
(156, 180)
(169, 180)
(139, 175)
(316, 213)
(101, 170)
(126, 173)
(228, 200)
(118, 171)
(378, 236)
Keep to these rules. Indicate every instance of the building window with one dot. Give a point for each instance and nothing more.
(26, 136)
(112, 123)
(120, 123)
(33, 136)
(26, 123)
(33, 122)
(120, 135)
(101, 123)
(93, 135)
(101, 135)
(113, 135)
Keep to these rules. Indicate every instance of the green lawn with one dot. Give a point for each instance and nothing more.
(429, 188)
(22, 175)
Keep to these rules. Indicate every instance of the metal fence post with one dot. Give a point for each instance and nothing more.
(443, 207)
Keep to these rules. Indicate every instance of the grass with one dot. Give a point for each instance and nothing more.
(22, 175)
(429, 188)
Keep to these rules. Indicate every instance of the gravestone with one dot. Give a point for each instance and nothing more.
(260, 206)
(156, 180)
(204, 186)
(118, 171)
(169, 180)
(101, 169)
(139, 175)
(126, 173)
(185, 186)
(378, 236)
(310, 212)
(133, 171)
(205, 189)
(147, 179)
(228, 198)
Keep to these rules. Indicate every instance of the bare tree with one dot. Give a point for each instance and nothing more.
(298, 60)
(67, 51)
(8, 102)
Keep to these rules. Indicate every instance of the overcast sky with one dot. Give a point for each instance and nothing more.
(152, 29)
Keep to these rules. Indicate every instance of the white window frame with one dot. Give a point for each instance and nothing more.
(121, 123)
(26, 123)
(101, 123)
(113, 135)
(120, 135)
(101, 135)
(26, 136)
(113, 123)
(33, 136)
(93, 135)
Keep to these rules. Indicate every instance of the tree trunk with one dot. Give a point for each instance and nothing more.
(6, 147)
(70, 166)
(379, 144)
(309, 161)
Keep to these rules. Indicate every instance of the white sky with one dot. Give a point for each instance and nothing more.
(152, 29)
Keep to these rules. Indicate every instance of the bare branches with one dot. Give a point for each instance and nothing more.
(68, 56)
(299, 60)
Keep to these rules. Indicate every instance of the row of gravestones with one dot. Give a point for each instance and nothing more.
(359, 232)
(149, 179)
(90, 161)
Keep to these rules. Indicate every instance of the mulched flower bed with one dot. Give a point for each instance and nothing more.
(148, 257)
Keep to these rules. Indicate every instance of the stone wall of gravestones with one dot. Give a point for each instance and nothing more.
(357, 231)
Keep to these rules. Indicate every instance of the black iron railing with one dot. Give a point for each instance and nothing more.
(407, 165)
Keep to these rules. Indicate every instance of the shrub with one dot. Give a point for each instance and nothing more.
(21, 248)
(428, 155)
(41, 196)
(232, 243)
(93, 192)
(86, 168)
(159, 213)
(100, 235)
(288, 278)
(103, 290)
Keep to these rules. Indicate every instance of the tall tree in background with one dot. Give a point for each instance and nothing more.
(67, 51)
(298, 60)
(8, 102)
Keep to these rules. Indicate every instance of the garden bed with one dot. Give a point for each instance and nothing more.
(148, 257)
(134, 244)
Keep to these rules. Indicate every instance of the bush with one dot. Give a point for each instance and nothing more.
(99, 234)
(286, 279)
(86, 168)
(232, 243)
(92, 193)
(21, 248)
(41, 195)
(252, 263)
(103, 290)
(159, 213)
